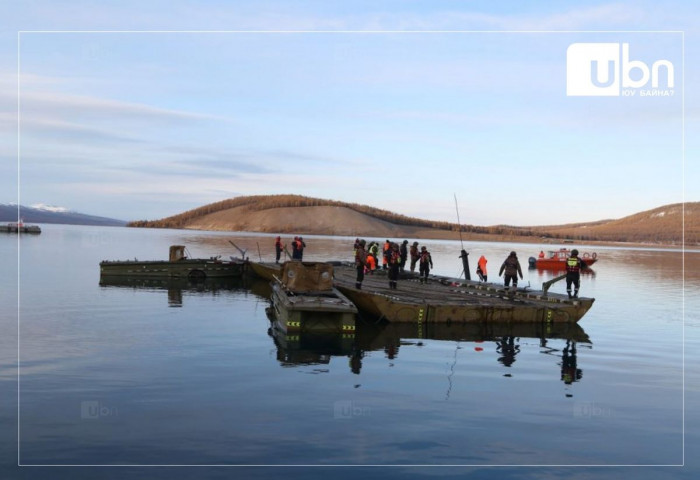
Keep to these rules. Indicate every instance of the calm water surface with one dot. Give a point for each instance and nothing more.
(158, 374)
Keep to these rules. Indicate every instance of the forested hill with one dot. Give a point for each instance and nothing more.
(307, 215)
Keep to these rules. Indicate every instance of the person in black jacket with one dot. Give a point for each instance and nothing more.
(511, 266)
(574, 265)
(404, 255)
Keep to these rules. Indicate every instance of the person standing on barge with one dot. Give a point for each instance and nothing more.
(414, 255)
(404, 255)
(360, 263)
(425, 264)
(511, 266)
(574, 265)
(278, 249)
(481, 269)
(394, 260)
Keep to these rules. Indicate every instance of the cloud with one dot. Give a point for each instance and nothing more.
(53, 103)
(33, 126)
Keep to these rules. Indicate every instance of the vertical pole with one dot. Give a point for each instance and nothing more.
(463, 254)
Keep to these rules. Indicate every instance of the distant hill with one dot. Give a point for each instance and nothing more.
(45, 214)
(306, 215)
(659, 225)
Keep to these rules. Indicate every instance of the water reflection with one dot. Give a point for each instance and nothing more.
(175, 286)
(569, 371)
(310, 348)
(508, 349)
(391, 338)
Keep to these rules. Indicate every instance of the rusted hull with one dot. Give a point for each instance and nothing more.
(444, 300)
(266, 271)
(327, 312)
(195, 269)
(398, 310)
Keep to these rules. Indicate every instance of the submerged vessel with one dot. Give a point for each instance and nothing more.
(177, 266)
(556, 259)
(305, 300)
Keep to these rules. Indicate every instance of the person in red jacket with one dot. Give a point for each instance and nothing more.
(425, 263)
(394, 261)
(278, 249)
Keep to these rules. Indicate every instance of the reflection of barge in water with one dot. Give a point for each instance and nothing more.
(175, 286)
(309, 348)
(178, 266)
(503, 340)
(304, 299)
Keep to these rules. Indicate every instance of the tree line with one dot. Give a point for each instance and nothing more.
(665, 230)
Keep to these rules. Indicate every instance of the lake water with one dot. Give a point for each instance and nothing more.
(190, 375)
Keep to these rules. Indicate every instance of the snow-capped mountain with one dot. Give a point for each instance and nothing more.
(49, 208)
(43, 213)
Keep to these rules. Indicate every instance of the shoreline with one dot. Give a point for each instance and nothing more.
(449, 235)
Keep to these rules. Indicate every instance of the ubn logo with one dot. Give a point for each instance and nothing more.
(602, 69)
(92, 409)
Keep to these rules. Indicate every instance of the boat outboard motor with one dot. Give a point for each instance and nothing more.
(532, 261)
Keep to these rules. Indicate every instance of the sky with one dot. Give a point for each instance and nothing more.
(141, 110)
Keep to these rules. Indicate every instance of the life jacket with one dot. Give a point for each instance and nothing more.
(371, 262)
(394, 257)
(387, 248)
(573, 264)
(425, 256)
(482, 264)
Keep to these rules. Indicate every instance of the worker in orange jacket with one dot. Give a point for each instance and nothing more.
(386, 252)
(481, 269)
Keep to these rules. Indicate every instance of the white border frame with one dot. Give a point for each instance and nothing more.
(422, 32)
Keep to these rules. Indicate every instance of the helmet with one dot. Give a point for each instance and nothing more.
(423, 248)
(362, 242)
(512, 254)
(574, 252)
